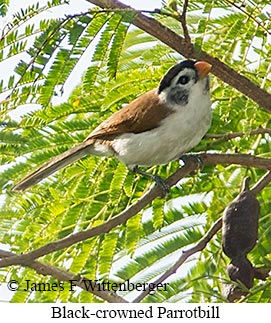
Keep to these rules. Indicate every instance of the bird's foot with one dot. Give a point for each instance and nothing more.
(155, 178)
(196, 158)
(162, 184)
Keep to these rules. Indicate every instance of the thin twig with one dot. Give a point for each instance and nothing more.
(183, 22)
(218, 138)
(232, 135)
(262, 183)
(185, 254)
(64, 275)
(249, 16)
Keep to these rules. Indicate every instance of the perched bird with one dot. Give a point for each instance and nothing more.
(156, 128)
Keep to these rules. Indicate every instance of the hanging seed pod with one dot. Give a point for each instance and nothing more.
(241, 270)
(261, 273)
(240, 223)
(233, 292)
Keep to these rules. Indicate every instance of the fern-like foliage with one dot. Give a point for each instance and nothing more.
(121, 63)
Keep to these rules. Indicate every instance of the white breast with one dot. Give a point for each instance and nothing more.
(177, 134)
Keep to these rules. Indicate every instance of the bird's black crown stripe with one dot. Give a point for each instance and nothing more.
(172, 72)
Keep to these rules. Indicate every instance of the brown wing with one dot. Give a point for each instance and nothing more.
(142, 114)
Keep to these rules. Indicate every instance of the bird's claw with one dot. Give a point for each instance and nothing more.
(196, 157)
(161, 184)
(165, 188)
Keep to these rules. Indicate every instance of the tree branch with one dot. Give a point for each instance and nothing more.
(236, 159)
(191, 165)
(64, 275)
(103, 228)
(178, 43)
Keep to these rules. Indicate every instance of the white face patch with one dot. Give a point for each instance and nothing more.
(179, 90)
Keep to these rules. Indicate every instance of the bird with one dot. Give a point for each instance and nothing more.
(156, 128)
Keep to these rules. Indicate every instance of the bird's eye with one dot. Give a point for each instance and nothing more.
(183, 79)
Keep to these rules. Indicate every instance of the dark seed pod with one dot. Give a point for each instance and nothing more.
(261, 273)
(233, 292)
(240, 223)
(241, 270)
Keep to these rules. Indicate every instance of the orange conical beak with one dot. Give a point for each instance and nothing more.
(203, 68)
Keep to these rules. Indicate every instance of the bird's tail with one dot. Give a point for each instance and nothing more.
(53, 165)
